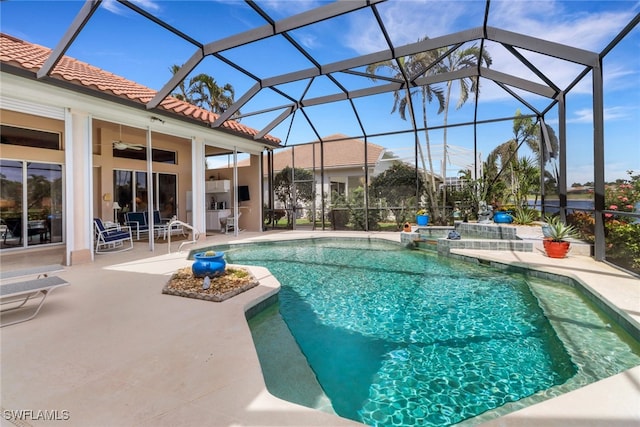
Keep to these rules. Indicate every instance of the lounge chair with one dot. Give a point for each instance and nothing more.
(21, 291)
(110, 241)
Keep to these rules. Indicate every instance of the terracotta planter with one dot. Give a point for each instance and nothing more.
(556, 249)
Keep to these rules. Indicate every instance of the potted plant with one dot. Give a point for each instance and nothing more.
(422, 217)
(555, 245)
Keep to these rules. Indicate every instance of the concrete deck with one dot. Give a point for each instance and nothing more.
(111, 350)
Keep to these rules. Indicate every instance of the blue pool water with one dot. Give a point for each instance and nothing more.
(403, 338)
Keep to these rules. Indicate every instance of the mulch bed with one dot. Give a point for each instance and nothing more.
(231, 283)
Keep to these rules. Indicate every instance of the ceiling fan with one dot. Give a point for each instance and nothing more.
(119, 144)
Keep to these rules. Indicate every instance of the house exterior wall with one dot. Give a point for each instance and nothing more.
(87, 126)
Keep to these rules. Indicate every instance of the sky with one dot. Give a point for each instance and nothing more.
(122, 42)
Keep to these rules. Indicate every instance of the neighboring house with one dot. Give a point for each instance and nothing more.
(76, 141)
(343, 160)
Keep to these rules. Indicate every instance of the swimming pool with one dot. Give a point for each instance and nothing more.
(400, 337)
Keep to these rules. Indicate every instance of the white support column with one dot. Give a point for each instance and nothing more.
(150, 199)
(235, 193)
(78, 188)
(198, 210)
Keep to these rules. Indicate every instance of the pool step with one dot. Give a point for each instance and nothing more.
(445, 245)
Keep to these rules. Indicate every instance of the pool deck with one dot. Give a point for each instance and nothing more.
(113, 351)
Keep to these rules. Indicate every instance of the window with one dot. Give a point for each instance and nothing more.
(337, 186)
(164, 156)
(29, 138)
(138, 152)
(131, 192)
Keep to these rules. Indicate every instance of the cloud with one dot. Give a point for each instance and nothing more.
(288, 7)
(114, 7)
(307, 40)
(585, 115)
(580, 28)
(149, 5)
(406, 21)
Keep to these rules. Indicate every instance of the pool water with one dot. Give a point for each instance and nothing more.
(404, 338)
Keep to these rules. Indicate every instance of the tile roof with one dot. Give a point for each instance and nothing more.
(31, 57)
(340, 151)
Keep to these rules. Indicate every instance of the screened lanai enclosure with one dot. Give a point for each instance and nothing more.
(387, 107)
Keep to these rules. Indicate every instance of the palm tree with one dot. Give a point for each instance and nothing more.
(183, 93)
(414, 64)
(527, 181)
(207, 93)
(204, 92)
(521, 175)
(458, 60)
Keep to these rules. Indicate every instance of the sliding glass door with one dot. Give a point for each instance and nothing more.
(30, 214)
(131, 190)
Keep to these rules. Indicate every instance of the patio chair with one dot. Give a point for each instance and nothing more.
(13, 228)
(137, 221)
(230, 223)
(111, 241)
(160, 225)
